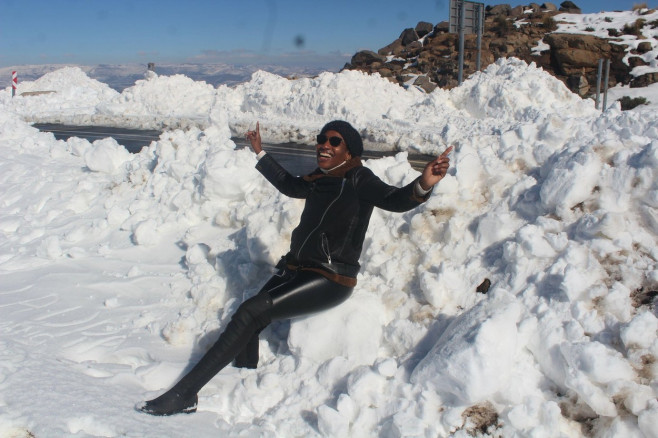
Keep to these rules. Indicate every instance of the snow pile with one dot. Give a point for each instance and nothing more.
(66, 92)
(162, 98)
(118, 270)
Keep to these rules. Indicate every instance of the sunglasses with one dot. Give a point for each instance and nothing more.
(334, 141)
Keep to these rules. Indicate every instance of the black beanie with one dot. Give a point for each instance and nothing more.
(350, 135)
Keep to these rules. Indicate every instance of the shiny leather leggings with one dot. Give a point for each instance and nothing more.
(291, 294)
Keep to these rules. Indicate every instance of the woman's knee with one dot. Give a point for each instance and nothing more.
(256, 310)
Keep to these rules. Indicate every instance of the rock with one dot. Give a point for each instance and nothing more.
(424, 28)
(504, 9)
(442, 27)
(578, 84)
(569, 7)
(366, 57)
(483, 288)
(392, 49)
(385, 72)
(425, 83)
(644, 47)
(571, 58)
(585, 42)
(644, 80)
(636, 61)
(575, 59)
(517, 12)
(535, 7)
(408, 36)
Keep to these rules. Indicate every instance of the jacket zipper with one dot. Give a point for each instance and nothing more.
(320, 222)
(325, 247)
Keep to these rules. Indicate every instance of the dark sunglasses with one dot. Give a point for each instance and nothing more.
(334, 141)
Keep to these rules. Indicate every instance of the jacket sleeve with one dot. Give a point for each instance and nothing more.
(376, 192)
(292, 186)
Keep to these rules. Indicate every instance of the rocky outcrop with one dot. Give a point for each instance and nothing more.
(427, 56)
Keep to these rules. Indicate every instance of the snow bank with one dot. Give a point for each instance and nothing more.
(118, 270)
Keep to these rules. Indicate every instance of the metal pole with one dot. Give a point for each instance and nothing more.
(480, 25)
(14, 83)
(598, 84)
(462, 16)
(605, 84)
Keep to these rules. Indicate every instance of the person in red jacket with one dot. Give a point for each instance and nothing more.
(320, 270)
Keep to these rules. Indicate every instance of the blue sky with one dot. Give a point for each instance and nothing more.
(286, 32)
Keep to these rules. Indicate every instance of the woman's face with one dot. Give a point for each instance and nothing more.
(328, 155)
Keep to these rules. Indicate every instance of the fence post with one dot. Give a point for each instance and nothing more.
(605, 84)
(598, 84)
(14, 83)
(462, 18)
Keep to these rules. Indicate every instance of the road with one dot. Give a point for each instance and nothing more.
(298, 159)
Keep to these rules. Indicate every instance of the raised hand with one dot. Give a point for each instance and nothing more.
(435, 170)
(254, 139)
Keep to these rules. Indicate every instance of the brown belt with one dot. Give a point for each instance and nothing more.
(343, 280)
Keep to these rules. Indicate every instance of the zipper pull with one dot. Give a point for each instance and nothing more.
(325, 247)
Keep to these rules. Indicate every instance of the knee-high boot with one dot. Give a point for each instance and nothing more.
(251, 317)
(248, 357)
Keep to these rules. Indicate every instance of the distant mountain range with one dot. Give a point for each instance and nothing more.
(120, 77)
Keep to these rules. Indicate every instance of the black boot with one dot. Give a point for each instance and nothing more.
(170, 403)
(251, 317)
(248, 357)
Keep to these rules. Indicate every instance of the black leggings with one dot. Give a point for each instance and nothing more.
(291, 294)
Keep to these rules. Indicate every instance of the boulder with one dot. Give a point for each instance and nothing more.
(424, 28)
(504, 9)
(425, 83)
(578, 84)
(571, 60)
(408, 36)
(442, 27)
(644, 80)
(549, 7)
(395, 48)
(569, 7)
(385, 72)
(636, 61)
(535, 7)
(644, 47)
(518, 12)
(366, 57)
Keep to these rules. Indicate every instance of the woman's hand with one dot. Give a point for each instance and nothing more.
(435, 170)
(254, 139)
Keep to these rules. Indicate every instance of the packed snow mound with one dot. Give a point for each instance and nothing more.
(65, 81)
(505, 90)
(388, 116)
(118, 270)
(164, 97)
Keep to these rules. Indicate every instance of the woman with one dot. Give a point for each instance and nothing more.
(321, 268)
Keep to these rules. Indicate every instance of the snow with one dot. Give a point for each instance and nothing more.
(118, 270)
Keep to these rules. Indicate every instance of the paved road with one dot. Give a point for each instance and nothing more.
(298, 159)
(132, 139)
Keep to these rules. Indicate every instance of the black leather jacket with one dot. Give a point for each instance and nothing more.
(335, 219)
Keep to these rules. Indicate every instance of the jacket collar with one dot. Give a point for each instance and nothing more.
(335, 172)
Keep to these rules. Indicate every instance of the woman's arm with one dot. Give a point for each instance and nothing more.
(399, 199)
(279, 177)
